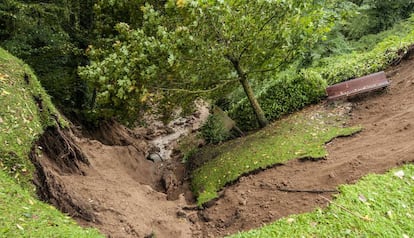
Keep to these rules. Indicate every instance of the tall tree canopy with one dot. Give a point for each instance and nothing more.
(203, 48)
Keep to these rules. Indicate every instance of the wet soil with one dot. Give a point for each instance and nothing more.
(123, 194)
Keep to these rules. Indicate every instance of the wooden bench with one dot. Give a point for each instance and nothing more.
(356, 86)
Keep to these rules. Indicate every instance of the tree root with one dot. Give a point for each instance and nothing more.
(60, 147)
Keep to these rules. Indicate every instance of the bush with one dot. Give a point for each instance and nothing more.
(343, 67)
(214, 130)
(375, 16)
(289, 92)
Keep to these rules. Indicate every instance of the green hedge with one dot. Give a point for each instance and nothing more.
(288, 92)
(392, 47)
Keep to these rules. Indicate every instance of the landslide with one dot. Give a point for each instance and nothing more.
(103, 179)
(387, 141)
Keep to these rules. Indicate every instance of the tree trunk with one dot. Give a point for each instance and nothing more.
(258, 111)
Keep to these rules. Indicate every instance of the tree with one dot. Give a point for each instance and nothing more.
(204, 48)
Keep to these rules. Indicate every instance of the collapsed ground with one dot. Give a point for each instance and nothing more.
(122, 194)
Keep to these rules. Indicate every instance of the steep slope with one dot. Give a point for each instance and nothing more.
(25, 113)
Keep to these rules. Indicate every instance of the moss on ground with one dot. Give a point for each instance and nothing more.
(25, 111)
(300, 135)
(377, 206)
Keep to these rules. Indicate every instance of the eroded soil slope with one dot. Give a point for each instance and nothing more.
(118, 192)
(386, 142)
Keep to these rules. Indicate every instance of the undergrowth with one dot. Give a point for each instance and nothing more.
(377, 206)
(300, 135)
(384, 52)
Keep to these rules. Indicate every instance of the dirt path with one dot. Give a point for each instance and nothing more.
(386, 142)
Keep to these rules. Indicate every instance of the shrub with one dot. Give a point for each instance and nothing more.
(375, 16)
(343, 67)
(288, 92)
(214, 130)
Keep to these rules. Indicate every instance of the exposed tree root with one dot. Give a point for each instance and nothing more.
(56, 153)
(59, 146)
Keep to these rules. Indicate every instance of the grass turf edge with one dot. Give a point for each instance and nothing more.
(300, 135)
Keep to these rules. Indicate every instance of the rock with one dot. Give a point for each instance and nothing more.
(193, 218)
(169, 181)
(155, 157)
(181, 214)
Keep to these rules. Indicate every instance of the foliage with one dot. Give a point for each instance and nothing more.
(287, 92)
(24, 216)
(49, 37)
(377, 206)
(358, 63)
(300, 135)
(213, 130)
(375, 16)
(26, 110)
(202, 48)
(108, 13)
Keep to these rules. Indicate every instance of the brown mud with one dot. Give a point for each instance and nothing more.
(120, 192)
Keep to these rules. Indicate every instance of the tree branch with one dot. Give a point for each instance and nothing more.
(259, 30)
(197, 91)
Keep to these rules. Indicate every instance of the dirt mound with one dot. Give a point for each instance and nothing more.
(386, 141)
(115, 189)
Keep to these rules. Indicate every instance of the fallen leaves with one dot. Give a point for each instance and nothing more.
(4, 93)
(3, 77)
(400, 174)
(19, 227)
(362, 198)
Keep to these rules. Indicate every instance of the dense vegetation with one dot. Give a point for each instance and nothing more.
(141, 53)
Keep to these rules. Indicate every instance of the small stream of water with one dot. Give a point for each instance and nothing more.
(180, 127)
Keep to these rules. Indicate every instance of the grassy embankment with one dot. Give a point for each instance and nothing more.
(377, 206)
(300, 135)
(25, 110)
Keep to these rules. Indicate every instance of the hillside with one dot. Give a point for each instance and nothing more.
(25, 112)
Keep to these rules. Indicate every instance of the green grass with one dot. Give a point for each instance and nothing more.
(21, 121)
(24, 216)
(377, 206)
(301, 135)
(21, 124)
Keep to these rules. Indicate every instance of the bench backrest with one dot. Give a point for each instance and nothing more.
(358, 85)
